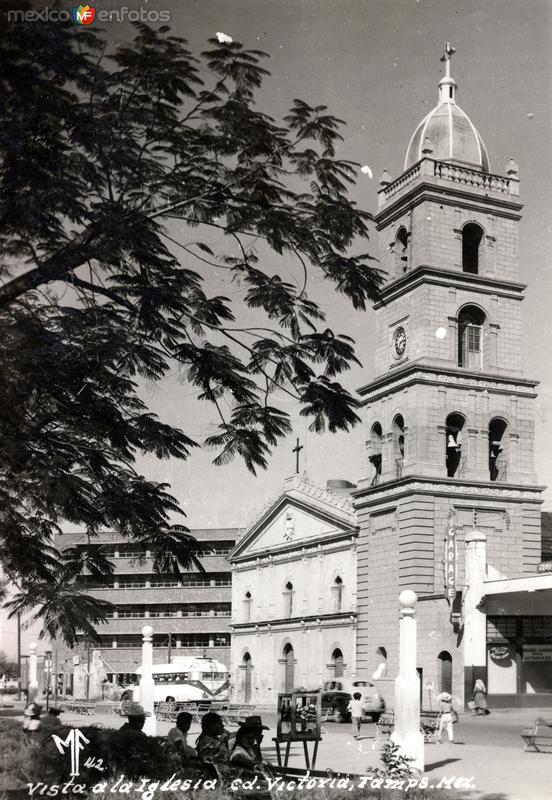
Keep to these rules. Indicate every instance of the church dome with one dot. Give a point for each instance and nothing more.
(452, 135)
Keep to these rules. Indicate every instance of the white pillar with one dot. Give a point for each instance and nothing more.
(33, 673)
(146, 680)
(407, 732)
(475, 620)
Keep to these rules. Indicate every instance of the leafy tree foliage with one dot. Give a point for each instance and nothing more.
(99, 149)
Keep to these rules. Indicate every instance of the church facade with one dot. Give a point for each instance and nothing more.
(294, 592)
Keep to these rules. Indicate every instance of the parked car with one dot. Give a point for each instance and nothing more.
(337, 693)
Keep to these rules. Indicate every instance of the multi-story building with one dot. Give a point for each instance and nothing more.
(190, 614)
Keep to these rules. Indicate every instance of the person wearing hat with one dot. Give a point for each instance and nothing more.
(446, 718)
(136, 718)
(212, 742)
(247, 748)
(32, 713)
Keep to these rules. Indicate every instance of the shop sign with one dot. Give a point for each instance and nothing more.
(499, 652)
(544, 566)
(537, 652)
(450, 562)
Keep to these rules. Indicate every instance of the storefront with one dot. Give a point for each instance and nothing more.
(519, 641)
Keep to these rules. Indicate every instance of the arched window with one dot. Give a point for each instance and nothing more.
(498, 449)
(472, 236)
(398, 444)
(337, 590)
(454, 458)
(471, 321)
(375, 446)
(445, 671)
(338, 662)
(288, 600)
(401, 249)
(247, 600)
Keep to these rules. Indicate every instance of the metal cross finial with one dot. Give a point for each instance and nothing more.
(449, 51)
(297, 449)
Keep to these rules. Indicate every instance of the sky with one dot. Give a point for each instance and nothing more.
(376, 64)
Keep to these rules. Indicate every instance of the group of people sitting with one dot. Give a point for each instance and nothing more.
(214, 743)
(35, 720)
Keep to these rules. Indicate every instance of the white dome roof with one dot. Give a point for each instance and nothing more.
(452, 135)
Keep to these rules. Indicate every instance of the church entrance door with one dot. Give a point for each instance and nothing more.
(337, 657)
(248, 669)
(289, 667)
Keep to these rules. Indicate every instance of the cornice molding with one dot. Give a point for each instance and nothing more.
(299, 623)
(425, 273)
(449, 488)
(427, 374)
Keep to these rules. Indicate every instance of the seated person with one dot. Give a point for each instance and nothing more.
(177, 736)
(247, 748)
(212, 742)
(32, 713)
(50, 722)
(136, 719)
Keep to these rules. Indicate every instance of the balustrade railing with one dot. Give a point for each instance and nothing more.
(450, 172)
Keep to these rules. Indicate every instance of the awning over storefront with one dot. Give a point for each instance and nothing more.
(531, 594)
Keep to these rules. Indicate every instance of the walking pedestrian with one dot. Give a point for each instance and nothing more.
(480, 699)
(446, 718)
(355, 708)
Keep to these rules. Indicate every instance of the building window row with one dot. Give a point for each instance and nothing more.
(177, 641)
(159, 581)
(201, 610)
(336, 590)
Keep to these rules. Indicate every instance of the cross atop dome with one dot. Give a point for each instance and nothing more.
(449, 51)
(447, 85)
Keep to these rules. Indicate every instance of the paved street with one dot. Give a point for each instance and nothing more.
(487, 750)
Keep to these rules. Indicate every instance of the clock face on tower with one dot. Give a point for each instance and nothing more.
(399, 342)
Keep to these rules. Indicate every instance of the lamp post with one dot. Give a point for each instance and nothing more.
(146, 680)
(32, 688)
(407, 732)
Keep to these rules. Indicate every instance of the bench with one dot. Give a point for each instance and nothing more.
(234, 713)
(539, 736)
(79, 707)
(429, 722)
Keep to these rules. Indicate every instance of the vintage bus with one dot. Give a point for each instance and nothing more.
(187, 679)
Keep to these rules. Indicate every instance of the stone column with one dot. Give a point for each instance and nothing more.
(146, 680)
(33, 673)
(407, 732)
(475, 620)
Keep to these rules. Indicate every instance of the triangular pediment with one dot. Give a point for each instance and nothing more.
(302, 514)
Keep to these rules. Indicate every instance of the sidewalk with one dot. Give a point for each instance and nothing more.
(488, 750)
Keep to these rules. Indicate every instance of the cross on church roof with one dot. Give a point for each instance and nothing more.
(297, 449)
(449, 51)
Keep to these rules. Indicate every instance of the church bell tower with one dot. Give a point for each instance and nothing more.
(449, 414)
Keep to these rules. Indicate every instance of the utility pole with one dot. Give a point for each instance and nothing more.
(19, 655)
(88, 669)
